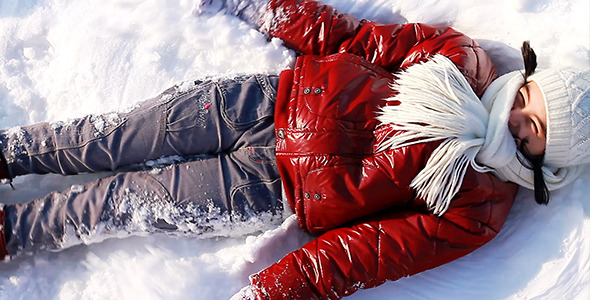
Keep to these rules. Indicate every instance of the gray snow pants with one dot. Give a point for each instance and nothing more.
(228, 184)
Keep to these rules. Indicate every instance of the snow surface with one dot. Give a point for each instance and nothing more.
(61, 59)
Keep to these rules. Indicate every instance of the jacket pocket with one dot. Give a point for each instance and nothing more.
(329, 197)
(337, 194)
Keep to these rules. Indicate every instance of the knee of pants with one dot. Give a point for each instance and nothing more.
(137, 201)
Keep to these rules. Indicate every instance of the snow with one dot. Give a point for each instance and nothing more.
(62, 59)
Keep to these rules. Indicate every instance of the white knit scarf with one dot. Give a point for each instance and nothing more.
(437, 103)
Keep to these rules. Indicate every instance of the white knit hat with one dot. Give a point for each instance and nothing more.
(567, 100)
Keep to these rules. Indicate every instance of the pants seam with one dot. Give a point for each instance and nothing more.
(163, 127)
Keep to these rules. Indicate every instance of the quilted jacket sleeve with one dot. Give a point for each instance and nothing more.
(389, 246)
(311, 27)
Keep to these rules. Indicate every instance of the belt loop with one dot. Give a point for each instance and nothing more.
(267, 88)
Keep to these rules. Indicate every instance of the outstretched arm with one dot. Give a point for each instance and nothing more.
(311, 27)
(389, 246)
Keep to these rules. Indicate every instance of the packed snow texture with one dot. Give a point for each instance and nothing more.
(62, 59)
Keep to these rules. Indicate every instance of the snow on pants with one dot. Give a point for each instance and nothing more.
(229, 184)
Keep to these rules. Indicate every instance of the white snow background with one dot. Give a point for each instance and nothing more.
(61, 59)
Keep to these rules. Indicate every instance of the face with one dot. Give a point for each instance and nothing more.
(528, 119)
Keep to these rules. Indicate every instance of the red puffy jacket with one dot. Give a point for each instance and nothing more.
(373, 227)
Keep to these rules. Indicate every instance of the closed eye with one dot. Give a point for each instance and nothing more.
(535, 126)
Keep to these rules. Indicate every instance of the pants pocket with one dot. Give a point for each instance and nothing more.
(258, 196)
(189, 105)
(245, 102)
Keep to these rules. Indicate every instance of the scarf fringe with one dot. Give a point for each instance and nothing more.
(437, 103)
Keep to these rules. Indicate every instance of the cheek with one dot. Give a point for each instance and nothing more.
(536, 146)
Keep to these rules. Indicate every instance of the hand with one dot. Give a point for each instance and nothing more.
(244, 294)
(250, 11)
(203, 7)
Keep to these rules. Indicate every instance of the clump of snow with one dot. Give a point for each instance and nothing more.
(102, 122)
(18, 140)
(64, 59)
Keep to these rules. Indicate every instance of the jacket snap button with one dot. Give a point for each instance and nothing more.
(317, 196)
(281, 134)
(318, 91)
(307, 196)
(307, 91)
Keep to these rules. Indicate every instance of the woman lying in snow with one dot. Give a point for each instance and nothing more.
(377, 139)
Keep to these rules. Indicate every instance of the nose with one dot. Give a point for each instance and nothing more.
(515, 121)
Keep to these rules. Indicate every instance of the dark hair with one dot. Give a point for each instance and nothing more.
(535, 161)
